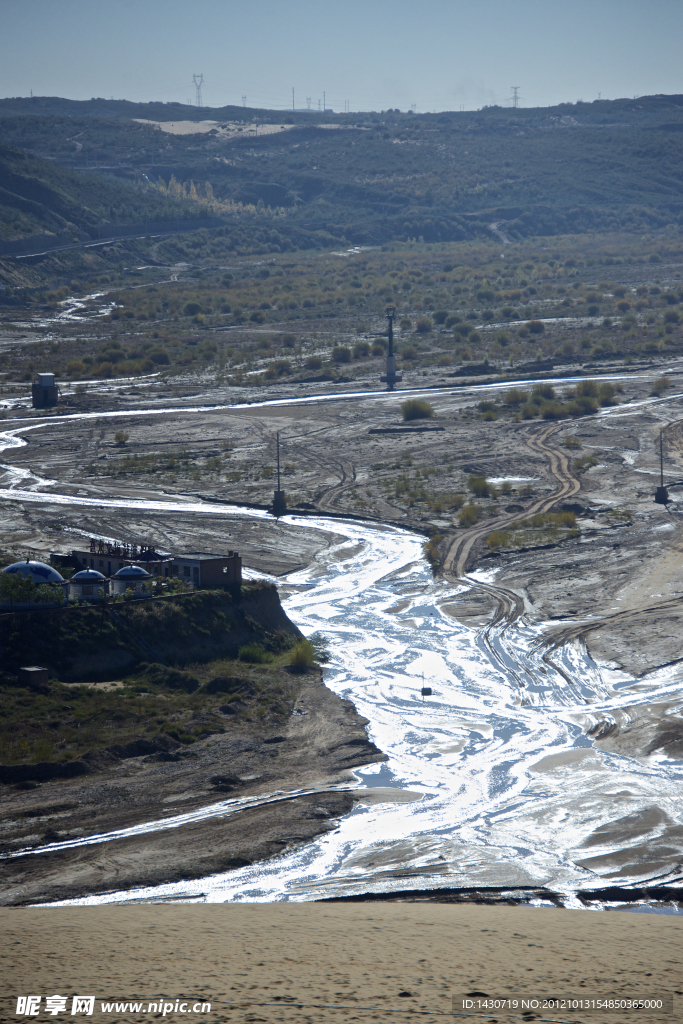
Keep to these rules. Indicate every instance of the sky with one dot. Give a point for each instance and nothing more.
(355, 55)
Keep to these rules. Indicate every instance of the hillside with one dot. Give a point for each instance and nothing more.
(372, 178)
(38, 196)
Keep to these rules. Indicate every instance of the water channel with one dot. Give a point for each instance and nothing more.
(504, 786)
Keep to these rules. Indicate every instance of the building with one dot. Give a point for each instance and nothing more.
(207, 571)
(87, 585)
(44, 391)
(131, 577)
(109, 558)
(202, 569)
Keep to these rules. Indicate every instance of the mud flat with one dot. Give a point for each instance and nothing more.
(326, 962)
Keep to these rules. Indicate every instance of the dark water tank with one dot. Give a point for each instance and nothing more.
(44, 391)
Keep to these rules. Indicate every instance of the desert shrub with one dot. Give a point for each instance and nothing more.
(479, 485)
(584, 463)
(553, 411)
(341, 354)
(302, 656)
(498, 539)
(430, 549)
(424, 325)
(514, 397)
(607, 394)
(543, 391)
(536, 327)
(120, 437)
(572, 442)
(361, 350)
(416, 409)
(440, 316)
(313, 363)
(660, 385)
(529, 410)
(586, 389)
(192, 308)
(469, 515)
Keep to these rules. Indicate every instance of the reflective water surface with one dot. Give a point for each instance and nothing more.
(511, 786)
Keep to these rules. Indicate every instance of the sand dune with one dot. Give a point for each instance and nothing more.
(334, 962)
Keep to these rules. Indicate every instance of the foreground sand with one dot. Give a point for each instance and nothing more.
(344, 962)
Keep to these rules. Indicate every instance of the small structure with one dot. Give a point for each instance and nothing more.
(131, 577)
(87, 585)
(108, 558)
(391, 377)
(44, 391)
(205, 570)
(37, 572)
(33, 675)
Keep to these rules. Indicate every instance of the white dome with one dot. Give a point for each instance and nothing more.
(39, 572)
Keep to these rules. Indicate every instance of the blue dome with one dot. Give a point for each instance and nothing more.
(87, 576)
(131, 572)
(36, 571)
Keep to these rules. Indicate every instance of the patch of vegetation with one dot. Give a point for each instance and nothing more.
(416, 409)
(544, 528)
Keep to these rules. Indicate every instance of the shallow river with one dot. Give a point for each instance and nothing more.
(509, 784)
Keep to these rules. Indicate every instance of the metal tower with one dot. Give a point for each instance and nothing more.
(391, 377)
(515, 95)
(198, 82)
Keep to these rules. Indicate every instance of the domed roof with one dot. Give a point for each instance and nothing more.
(39, 572)
(87, 576)
(131, 572)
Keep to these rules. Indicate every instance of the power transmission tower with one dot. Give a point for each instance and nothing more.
(515, 95)
(323, 103)
(244, 101)
(198, 82)
(308, 102)
(292, 97)
(318, 105)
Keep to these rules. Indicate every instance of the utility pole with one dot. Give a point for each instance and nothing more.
(308, 102)
(323, 103)
(318, 106)
(279, 503)
(198, 82)
(661, 494)
(391, 377)
(515, 96)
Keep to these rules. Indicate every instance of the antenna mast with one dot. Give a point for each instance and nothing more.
(198, 82)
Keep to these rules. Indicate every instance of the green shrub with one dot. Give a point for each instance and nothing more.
(479, 485)
(469, 515)
(313, 363)
(254, 654)
(424, 325)
(440, 316)
(415, 409)
(498, 539)
(430, 549)
(302, 656)
(341, 354)
(514, 397)
(572, 442)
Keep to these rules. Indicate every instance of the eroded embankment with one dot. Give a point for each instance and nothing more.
(218, 762)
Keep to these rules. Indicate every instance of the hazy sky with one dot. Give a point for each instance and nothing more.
(436, 54)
